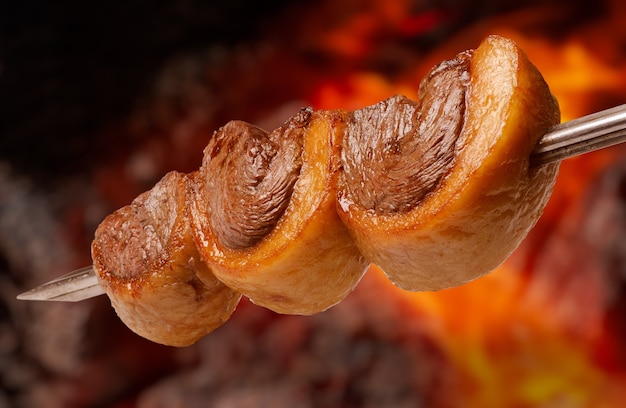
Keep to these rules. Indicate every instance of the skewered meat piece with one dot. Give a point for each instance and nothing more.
(440, 191)
(146, 260)
(435, 192)
(265, 218)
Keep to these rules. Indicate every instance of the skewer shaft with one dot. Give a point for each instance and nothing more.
(75, 286)
(588, 133)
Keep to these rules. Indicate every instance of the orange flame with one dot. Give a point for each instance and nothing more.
(514, 342)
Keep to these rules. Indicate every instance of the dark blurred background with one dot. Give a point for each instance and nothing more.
(70, 69)
(99, 100)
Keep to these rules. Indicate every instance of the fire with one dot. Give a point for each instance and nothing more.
(517, 339)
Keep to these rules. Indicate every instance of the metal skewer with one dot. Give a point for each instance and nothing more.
(75, 286)
(586, 134)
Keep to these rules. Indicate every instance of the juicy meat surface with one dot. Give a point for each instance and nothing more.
(146, 260)
(250, 174)
(397, 151)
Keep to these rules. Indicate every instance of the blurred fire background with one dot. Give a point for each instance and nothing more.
(98, 101)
